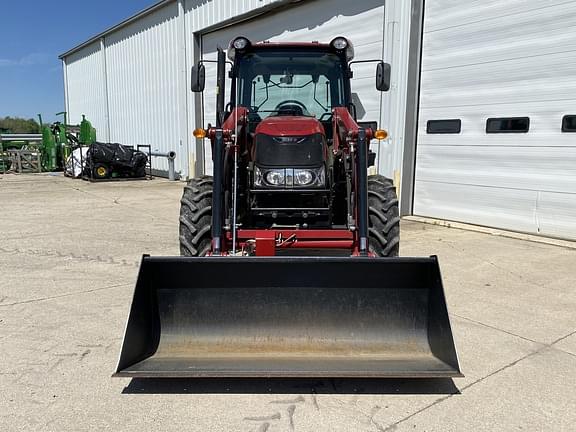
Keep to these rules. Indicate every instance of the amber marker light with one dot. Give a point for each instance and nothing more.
(380, 134)
(199, 133)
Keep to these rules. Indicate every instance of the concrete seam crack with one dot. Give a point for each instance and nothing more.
(491, 263)
(563, 337)
(498, 329)
(436, 402)
(114, 201)
(563, 351)
(62, 295)
(479, 380)
(73, 256)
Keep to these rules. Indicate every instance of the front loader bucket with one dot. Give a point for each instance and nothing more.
(288, 317)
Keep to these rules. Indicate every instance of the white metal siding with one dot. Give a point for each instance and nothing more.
(202, 14)
(499, 59)
(85, 86)
(141, 61)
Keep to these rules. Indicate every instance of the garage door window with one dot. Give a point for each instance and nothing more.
(444, 126)
(508, 125)
(569, 123)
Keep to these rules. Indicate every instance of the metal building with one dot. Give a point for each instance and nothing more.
(480, 113)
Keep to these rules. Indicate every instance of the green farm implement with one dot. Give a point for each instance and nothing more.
(52, 147)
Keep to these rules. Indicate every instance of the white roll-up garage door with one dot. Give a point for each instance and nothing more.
(515, 63)
(362, 22)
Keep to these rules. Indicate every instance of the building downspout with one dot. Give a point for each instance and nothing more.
(106, 99)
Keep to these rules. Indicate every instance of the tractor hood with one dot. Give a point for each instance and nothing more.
(290, 126)
(289, 141)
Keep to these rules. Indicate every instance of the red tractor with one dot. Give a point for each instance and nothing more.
(290, 177)
(290, 160)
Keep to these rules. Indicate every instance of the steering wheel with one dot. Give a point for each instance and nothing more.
(291, 102)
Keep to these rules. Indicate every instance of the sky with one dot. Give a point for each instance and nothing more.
(33, 34)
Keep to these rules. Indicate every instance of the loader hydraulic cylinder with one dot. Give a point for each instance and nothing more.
(218, 159)
(220, 87)
(362, 192)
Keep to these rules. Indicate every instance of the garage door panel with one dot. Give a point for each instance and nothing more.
(537, 168)
(450, 13)
(504, 208)
(474, 109)
(556, 214)
(548, 78)
(496, 141)
(485, 41)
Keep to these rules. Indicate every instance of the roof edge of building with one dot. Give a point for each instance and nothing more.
(127, 21)
(275, 5)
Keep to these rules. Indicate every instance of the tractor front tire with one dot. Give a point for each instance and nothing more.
(196, 217)
(384, 217)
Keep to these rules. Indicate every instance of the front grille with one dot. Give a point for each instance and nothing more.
(301, 151)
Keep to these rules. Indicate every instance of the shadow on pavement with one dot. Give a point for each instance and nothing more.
(441, 386)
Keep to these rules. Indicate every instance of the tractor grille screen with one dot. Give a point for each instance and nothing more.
(292, 151)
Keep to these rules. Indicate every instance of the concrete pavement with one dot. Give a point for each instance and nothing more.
(69, 253)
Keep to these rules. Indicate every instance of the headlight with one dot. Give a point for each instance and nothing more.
(303, 177)
(289, 177)
(275, 177)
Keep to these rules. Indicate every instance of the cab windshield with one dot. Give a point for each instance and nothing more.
(291, 82)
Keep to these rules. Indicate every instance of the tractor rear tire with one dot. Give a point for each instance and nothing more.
(384, 217)
(196, 217)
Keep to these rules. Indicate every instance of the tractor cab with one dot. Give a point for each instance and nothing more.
(290, 80)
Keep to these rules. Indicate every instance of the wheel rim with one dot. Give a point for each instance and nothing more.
(101, 171)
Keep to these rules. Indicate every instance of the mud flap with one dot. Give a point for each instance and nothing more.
(288, 317)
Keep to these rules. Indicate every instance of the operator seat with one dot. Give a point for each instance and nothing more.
(290, 110)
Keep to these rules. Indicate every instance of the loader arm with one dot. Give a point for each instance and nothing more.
(353, 141)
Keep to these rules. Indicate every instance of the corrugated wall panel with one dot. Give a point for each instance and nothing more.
(202, 14)
(556, 214)
(142, 69)
(499, 59)
(85, 87)
(477, 204)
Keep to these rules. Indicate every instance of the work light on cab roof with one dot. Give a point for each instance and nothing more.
(339, 44)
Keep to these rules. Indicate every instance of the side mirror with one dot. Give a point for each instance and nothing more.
(198, 78)
(383, 76)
